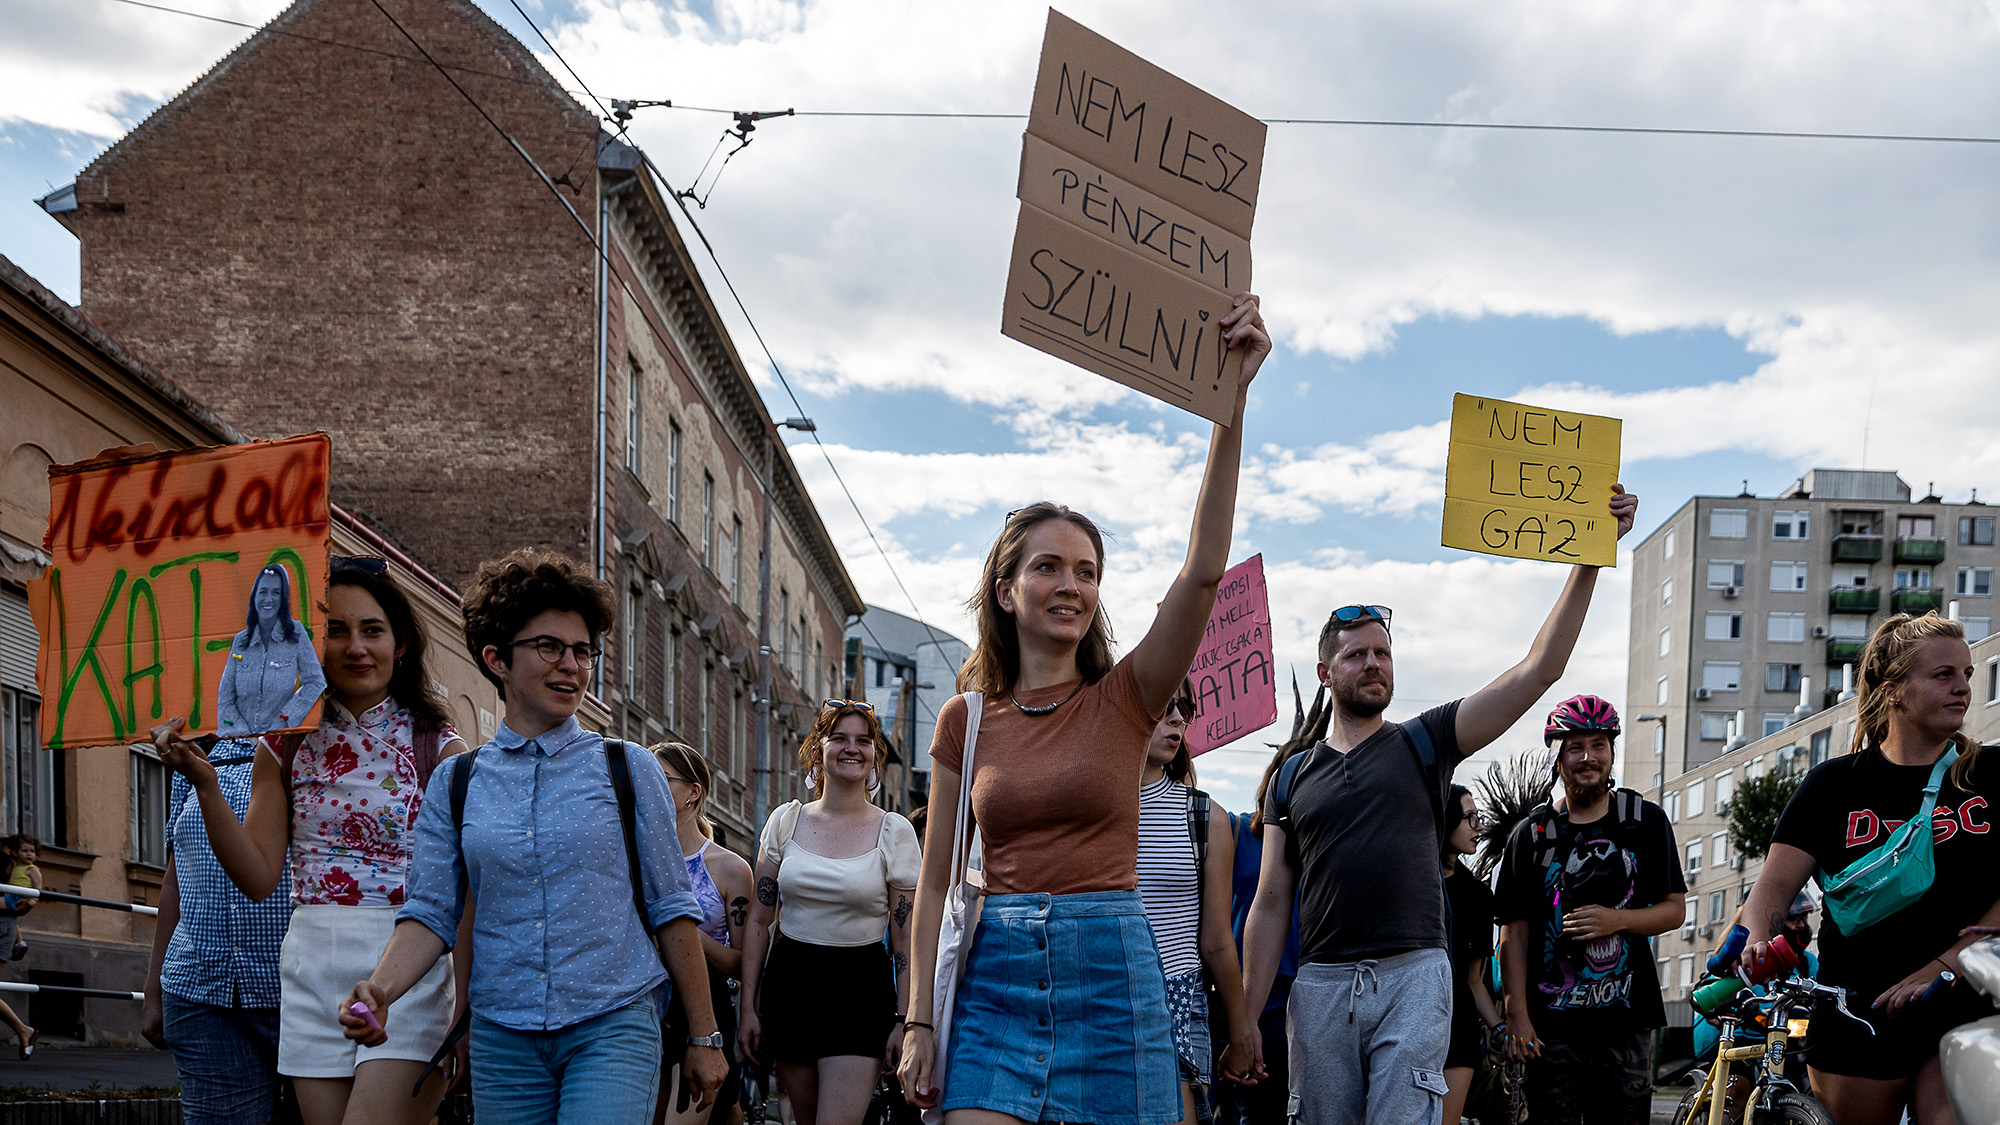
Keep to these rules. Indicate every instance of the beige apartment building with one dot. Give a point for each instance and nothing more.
(1746, 610)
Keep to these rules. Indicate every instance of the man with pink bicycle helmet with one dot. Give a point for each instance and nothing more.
(1585, 880)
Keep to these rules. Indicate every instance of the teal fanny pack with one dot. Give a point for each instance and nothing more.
(1892, 876)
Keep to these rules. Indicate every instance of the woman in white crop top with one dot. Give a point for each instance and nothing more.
(833, 874)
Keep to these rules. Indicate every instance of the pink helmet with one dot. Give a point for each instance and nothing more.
(1580, 713)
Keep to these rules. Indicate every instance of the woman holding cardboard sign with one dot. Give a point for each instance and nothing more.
(272, 677)
(1062, 1012)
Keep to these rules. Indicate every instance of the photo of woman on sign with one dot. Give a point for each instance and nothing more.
(273, 677)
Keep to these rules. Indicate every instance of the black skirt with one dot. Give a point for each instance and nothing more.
(822, 1001)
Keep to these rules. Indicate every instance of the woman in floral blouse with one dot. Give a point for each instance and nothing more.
(337, 805)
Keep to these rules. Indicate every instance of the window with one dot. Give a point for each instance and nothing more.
(1668, 544)
(1721, 675)
(1666, 641)
(708, 520)
(1667, 592)
(1847, 627)
(1976, 531)
(1916, 527)
(1716, 899)
(736, 559)
(1671, 804)
(1857, 523)
(150, 786)
(819, 670)
(799, 647)
(628, 649)
(1913, 578)
(1715, 725)
(1690, 909)
(1754, 768)
(33, 803)
(1789, 525)
(1785, 627)
(1725, 784)
(634, 395)
(1774, 721)
(673, 471)
(736, 769)
(1696, 804)
(1993, 681)
(1687, 971)
(784, 613)
(1724, 572)
(1723, 626)
(1666, 972)
(1782, 677)
(1975, 581)
(1694, 865)
(1976, 628)
(1822, 746)
(1788, 576)
(1728, 523)
(1660, 693)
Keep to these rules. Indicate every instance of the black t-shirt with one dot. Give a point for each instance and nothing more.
(1608, 985)
(1846, 807)
(1364, 840)
(1470, 909)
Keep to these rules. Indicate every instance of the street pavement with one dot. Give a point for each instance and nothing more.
(78, 1068)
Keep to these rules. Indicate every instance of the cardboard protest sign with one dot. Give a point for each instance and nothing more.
(1234, 683)
(1530, 483)
(1138, 192)
(183, 584)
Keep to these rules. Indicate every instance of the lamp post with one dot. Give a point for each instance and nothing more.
(762, 798)
(1660, 752)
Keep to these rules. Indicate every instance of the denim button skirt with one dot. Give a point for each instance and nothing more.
(1062, 1015)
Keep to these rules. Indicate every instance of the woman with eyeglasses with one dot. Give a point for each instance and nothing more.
(1469, 912)
(721, 883)
(337, 807)
(832, 874)
(1062, 1013)
(272, 676)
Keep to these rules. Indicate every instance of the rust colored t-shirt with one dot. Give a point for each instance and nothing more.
(1056, 796)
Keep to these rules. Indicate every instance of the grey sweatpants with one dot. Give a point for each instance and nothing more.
(1367, 1040)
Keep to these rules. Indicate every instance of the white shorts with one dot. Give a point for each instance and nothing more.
(326, 951)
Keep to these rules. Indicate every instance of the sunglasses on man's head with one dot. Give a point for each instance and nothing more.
(367, 564)
(1349, 614)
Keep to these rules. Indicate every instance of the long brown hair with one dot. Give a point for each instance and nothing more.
(995, 663)
(410, 682)
(1308, 727)
(1891, 658)
(683, 761)
(814, 746)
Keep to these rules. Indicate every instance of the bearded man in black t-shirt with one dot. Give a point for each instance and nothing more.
(1583, 884)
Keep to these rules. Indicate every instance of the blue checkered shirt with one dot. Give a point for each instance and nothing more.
(225, 950)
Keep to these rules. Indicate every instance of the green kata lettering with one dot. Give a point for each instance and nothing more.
(88, 659)
(192, 561)
(156, 671)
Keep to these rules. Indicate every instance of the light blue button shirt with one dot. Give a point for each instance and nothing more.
(556, 939)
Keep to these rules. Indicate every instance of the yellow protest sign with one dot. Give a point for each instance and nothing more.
(1527, 482)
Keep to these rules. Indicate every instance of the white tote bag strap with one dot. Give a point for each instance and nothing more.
(961, 836)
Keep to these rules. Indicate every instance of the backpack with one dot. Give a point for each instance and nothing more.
(1198, 812)
(1544, 826)
(1427, 765)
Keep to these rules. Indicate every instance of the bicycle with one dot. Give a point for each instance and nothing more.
(1772, 1098)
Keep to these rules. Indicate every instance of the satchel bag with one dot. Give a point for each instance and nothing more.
(961, 909)
(1892, 876)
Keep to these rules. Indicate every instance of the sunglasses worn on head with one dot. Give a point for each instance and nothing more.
(367, 564)
(826, 705)
(1351, 613)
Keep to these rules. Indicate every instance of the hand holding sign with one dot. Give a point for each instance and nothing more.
(1529, 483)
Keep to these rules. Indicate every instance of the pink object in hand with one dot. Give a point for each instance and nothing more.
(361, 1011)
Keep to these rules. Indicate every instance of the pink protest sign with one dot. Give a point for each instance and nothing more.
(1232, 673)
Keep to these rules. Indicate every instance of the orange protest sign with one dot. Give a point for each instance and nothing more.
(183, 584)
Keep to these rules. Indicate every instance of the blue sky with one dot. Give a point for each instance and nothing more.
(1739, 303)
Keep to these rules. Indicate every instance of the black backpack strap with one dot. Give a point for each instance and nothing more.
(1427, 766)
(621, 787)
(1281, 797)
(461, 783)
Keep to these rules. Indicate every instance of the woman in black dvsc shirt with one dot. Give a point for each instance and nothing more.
(1915, 686)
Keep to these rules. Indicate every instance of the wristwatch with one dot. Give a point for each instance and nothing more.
(712, 1039)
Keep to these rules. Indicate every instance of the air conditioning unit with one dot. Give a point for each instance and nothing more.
(1702, 693)
(1736, 863)
(1731, 591)
(1687, 931)
(1708, 931)
(1819, 632)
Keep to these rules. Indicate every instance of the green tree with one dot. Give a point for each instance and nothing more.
(1754, 811)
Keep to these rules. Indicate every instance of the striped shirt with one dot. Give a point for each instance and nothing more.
(1168, 879)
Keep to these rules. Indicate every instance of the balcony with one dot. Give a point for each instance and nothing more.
(1857, 548)
(1917, 601)
(1920, 552)
(1842, 651)
(1854, 599)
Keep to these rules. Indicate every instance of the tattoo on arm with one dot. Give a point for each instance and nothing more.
(902, 912)
(902, 963)
(739, 910)
(767, 890)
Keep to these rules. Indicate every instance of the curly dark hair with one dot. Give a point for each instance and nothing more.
(508, 591)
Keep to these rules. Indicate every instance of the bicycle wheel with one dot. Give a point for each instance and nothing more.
(1795, 1109)
(1694, 1103)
